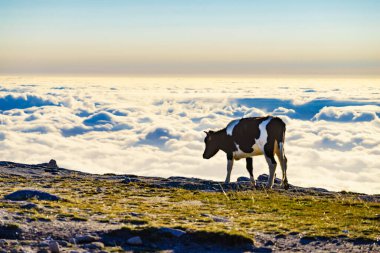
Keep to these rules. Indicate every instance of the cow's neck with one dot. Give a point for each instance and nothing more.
(225, 141)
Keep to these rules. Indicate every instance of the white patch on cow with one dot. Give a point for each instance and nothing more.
(231, 125)
(258, 147)
(239, 154)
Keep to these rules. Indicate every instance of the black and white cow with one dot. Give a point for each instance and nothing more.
(249, 137)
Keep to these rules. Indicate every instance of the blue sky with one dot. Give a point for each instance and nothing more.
(190, 37)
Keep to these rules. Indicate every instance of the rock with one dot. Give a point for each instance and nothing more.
(30, 206)
(3, 243)
(136, 240)
(94, 245)
(43, 244)
(136, 214)
(220, 219)
(216, 218)
(269, 243)
(43, 251)
(54, 247)
(10, 231)
(84, 239)
(243, 179)
(52, 164)
(173, 231)
(64, 243)
(28, 194)
(264, 178)
(52, 167)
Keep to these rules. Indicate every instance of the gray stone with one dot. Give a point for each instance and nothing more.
(84, 239)
(264, 178)
(94, 245)
(52, 164)
(173, 231)
(43, 244)
(216, 218)
(28, 194)
(30, 206)
(220, 219)
(136, 240)
(3, 243)
(135, 214)
(64, 243)
(10, 231)
(54, 247)
(243, 179)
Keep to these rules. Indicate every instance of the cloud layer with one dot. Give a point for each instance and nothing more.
(155, 127)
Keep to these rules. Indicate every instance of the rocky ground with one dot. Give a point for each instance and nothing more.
(49, 209)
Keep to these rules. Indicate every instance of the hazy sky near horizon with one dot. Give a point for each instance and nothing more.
(271, 37)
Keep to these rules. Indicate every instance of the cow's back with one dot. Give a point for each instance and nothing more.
(251, 135)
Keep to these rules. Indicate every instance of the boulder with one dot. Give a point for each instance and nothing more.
(52, 165)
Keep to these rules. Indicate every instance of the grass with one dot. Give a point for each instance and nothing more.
(246, 212)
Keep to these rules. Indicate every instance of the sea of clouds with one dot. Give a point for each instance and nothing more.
(155, 126)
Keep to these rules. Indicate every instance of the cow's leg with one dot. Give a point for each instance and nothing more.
(269, 156)
(249, 165)
(230, 164)
(272, 169)
(283, 162)
(285, 178)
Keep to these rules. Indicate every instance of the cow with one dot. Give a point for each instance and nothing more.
(248, 137)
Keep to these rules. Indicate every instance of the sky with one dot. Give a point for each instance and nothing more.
(195, 38)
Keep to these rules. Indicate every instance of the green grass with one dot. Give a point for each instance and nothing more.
(248, 212)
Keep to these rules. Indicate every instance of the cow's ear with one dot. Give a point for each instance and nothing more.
(206, 133)
(211, 132)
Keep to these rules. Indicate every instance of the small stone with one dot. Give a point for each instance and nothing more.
(135, 214)
(3, 243)
(43, 251)
(220, 219)
(64, 243)
(173, 231)
(43, 244)
(136, 240)
(269, 243)
(84, 239)
(94, 245)
(54, 247)
(30, 206)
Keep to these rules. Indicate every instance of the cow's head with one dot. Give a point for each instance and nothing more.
(212, 145)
